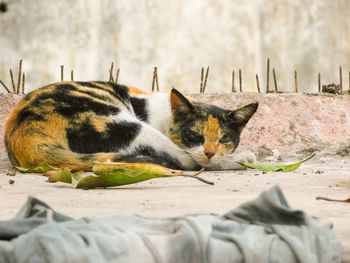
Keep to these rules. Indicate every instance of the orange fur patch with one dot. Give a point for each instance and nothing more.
(212, 134)
(136, 91)
(176, 102)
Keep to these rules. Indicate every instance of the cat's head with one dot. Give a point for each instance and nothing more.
(204, 131)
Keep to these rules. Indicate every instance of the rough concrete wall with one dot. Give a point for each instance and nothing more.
(291, 123)
(179, 37)
(288, 123)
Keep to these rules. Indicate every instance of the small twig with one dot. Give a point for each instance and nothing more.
(257, 83)
(202, 78)
(319, 81)
(233, 81)
(199, 179)
(117, 76)
(23, 82)
(194, 175)
(19, 76)
(205, 80)
(62, 69)
(3, 84)
(268, 76)
(72, 75)
(240, 80)
(274, 79)
(111, 73)
(332, 200)
(340, 80)
(296, 81)
(13, 82)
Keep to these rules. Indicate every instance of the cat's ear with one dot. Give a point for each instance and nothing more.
(179, 102)
(241, 116)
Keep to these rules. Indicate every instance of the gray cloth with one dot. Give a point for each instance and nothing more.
(263, 230)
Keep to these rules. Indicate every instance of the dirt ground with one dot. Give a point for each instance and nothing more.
(323, 176)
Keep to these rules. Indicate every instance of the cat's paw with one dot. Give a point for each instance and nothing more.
(246, 157)
(232, 162)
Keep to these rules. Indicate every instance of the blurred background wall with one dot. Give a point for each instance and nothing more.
(179, 37)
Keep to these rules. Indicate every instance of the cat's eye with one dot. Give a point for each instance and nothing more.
(225, 139)
(195, 137)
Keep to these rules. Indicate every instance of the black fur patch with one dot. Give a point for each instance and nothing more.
(186, 123)
(92, 85)
(91, 93)
(140, 108)
(217, 112)
(28, 115)
(69, 105)
(86, 139)
(190, 138)
(148, 154)
(121, 92)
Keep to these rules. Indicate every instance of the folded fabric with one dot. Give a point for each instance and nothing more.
(265, 229)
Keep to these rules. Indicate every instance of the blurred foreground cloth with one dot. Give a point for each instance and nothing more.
(265, 229)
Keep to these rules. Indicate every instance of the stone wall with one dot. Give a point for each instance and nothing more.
(288, 123)
(179, 37)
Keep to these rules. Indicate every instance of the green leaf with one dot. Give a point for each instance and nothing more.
(42, 168)
(113, 178)
(64, 175)
(276, 168)
(116, 174)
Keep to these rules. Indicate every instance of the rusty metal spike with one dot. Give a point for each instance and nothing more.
(23, 82)
(274, 79)
(268, 76)
(205, 80)
(62, 69)
(19, 76)
(233, 82)
(296, 81)
(240, 80)
(341, 79)
(3, 84)
(12, 81)
(257, 83)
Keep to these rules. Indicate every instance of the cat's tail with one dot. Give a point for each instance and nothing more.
(56, 156)
(78, 161)
(62, 157)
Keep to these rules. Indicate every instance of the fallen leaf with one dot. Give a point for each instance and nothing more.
(276, 168)
(64, 175)
(42, 168)
(109, 174)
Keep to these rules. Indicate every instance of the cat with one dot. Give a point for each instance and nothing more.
(76, 124)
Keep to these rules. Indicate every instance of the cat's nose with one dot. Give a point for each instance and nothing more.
(209, 154)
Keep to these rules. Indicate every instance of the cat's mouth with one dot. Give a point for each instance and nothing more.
(200, 158)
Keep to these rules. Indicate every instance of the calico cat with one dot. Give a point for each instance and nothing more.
(76, 124)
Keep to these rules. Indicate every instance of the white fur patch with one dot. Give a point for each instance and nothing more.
(159, 111)
(149, 136)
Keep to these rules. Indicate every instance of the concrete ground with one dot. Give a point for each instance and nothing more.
(322, 176)
(284, 123)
